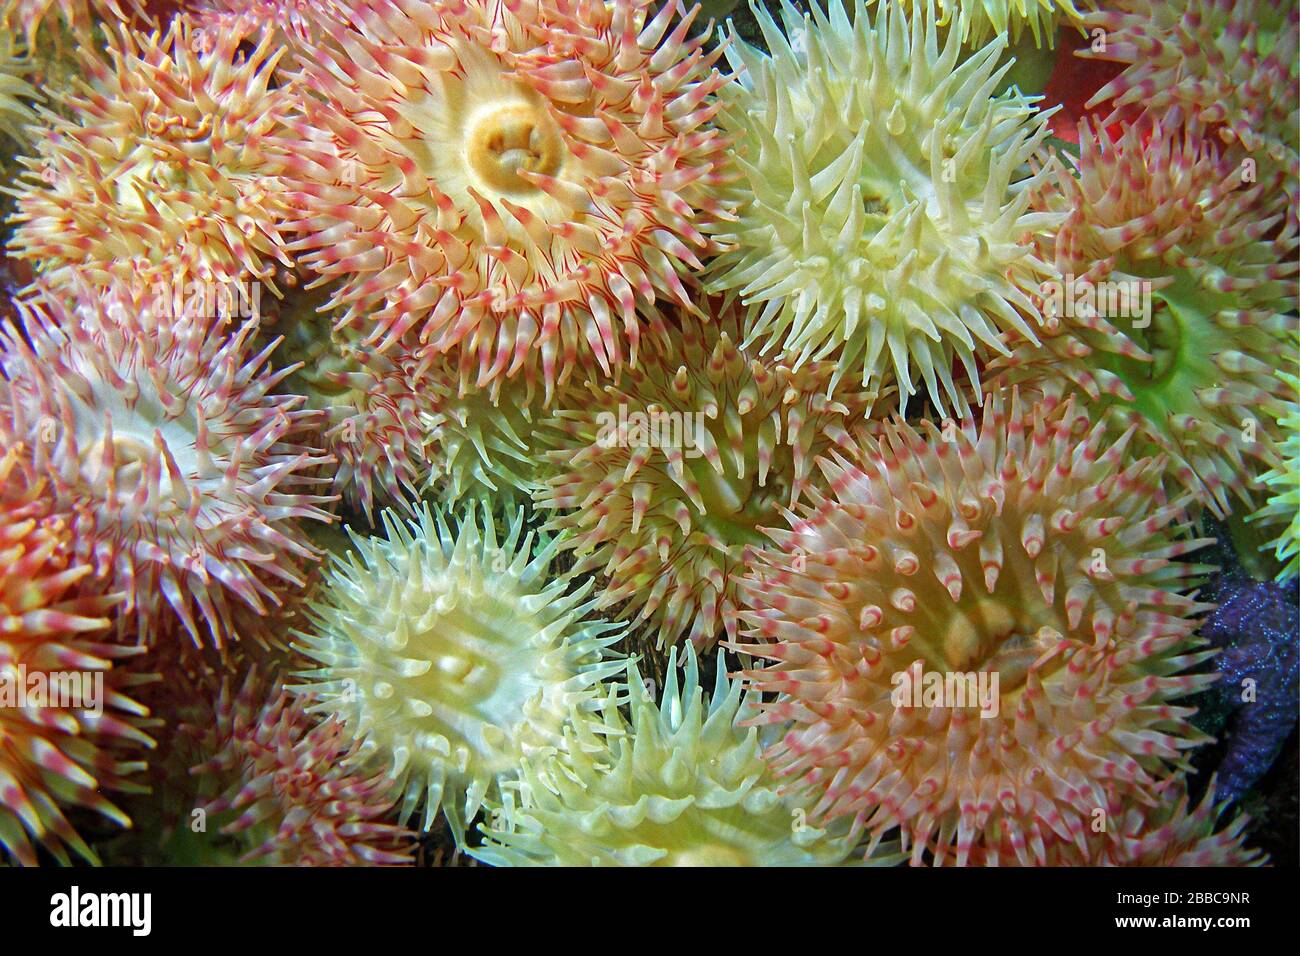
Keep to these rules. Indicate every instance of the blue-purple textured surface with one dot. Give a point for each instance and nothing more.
(1256, 624)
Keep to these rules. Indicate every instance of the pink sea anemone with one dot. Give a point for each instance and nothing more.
(510, 178)
(55, 754)
(1169, 831)
(77, 15)
(1178, 292)
(1016, 549)
(1231, 64)
(163, 439)
(162, 166)
(288, 21)
(286, 788)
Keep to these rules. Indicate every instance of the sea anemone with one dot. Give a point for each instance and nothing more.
(483, 442)
(373, 407)
(885, 216)
(55, 754)
(1283, 481)
(406, 423)
(452, 656)
(1192, 280)
(402, 421)
(286, 785)
(509, 177)
(163, 169)
(1015, 551)
(664, 480)
(1231, 64)
(76, 15)
(978, 20)
(15, 95)
(1166, 832)
(679, 784)
(162, 437)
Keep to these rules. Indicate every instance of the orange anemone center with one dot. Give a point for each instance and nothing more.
(512, 140)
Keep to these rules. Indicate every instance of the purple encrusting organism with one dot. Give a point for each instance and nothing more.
(1256, 623)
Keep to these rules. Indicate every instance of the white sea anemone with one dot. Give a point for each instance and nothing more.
(163, 439)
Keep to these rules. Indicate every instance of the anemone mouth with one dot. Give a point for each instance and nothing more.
(504, 141)
(463, 668)
(457, 677)
(877, 207)
(468, 672)
(1164, 338)
(734, 506)
(1163, 341)
(119, 450)
(143, 172)
(1180, 341)
(996, 636)
(130, 457)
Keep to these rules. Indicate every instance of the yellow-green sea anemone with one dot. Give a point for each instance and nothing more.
(885, 193)
(979, 20)
(16, 95)
(682, 783)
(26, 17)
(453, 655)
(1283, 482)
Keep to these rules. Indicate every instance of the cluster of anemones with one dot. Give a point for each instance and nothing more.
(617, 332)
